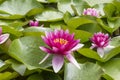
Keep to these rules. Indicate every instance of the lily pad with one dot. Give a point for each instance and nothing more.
(88, 71)
(115, 41)
(13, 8)
(49, 15)
(71, 6)
(112, 68)
(94, 2)
(26, 50)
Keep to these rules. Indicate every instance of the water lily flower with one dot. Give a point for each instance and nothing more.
(34, 23)
(91, 12)
(61, 43)
(3, 37)
(101, 42)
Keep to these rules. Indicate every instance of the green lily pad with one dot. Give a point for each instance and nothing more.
(115, 41)
(26, 50)
(49, 15)
(18, 10)
(35, 31)
(94, 2)
(112, 68)
(75, 22)
(71, 6)
(11, 30)
(88, 71)
(84, 36)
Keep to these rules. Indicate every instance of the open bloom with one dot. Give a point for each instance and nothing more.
(34, 23)
(100, 41)
(3, 37)
(91, 12)
(61, 44)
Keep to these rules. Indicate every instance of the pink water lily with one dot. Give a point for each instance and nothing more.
(3, 37)
(91, 12)
(34, 23)
(61, 43)
(100, 41)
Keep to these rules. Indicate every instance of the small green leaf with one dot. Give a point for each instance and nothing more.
(89, 53)
(77, 21)
(90, 27)
(84, 36)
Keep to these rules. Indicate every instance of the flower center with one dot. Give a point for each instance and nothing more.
(61, 41)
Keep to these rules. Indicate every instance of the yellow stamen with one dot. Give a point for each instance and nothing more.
(61, 41)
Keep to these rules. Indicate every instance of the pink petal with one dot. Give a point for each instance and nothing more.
(3, 38)
(93, 46)
(78, 46)
(57, 62)
(46, 41)
(36, 23)
(72, 60)
(100, 51)
(44, 58)
(47, 50)
(55, 49)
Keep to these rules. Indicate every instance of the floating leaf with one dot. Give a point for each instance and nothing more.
(90, 53)
(35, 31)
(94, 2)
(26, 50)
(112, 68)
(72, 6)
(83, 35)
(17, 66)
(49, 15)
(88, 71)
(115, 41)
(75, 22)
(13, 8)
